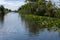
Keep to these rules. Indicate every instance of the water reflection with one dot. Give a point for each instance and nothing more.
(18, 27)
(1, 20)
(37, 25)
(32, 26)
(38, 31)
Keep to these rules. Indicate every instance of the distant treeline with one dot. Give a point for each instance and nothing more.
(41, 8)
(4, 10)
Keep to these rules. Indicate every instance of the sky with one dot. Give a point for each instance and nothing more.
(57, 2)
(12, 4)
(15, 4)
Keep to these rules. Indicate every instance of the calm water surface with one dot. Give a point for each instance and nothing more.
(14, 27)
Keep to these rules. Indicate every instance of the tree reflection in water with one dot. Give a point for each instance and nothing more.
(1, 20)
(35, 25)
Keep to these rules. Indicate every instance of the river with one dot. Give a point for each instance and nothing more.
(14, 27)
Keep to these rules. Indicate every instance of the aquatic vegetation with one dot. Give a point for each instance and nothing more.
(42, 21)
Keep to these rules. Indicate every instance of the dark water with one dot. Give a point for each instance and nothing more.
(14, 27)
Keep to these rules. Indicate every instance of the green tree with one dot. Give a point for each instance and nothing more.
(50, 9)
(39, 7)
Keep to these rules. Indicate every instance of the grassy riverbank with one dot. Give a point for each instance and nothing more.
(42, 21)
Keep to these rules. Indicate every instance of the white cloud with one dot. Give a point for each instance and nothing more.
(14, 6)
(11, 4)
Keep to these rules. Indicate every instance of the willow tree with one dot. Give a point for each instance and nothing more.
(39, 7)
(50, 9)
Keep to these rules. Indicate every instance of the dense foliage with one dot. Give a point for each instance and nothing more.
(36, 23)
(41, 8)
(3, 10)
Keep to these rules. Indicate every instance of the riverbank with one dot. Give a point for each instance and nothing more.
(42, 20)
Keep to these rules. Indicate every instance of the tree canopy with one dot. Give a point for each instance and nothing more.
(39, 7)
